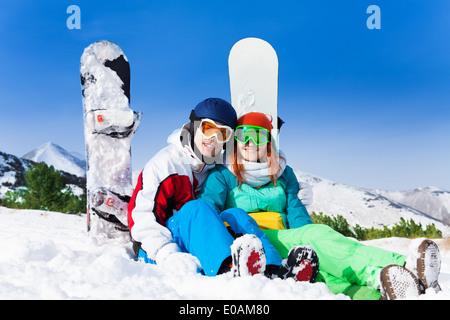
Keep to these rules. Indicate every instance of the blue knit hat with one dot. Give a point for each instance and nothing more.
(217, 109)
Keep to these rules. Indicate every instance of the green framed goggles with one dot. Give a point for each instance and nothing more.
(258, 135)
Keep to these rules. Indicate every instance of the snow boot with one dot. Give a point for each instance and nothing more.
(302, 264)
(398, 282)
(429, 264)
(248, 256)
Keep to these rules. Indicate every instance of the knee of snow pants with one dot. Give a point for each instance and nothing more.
(198, 230)
(241, 222)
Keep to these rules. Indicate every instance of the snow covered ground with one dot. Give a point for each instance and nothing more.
(48, 255)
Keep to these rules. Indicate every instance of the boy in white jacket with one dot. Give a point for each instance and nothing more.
(170, 182)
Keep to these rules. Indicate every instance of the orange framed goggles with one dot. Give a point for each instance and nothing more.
(208, 129)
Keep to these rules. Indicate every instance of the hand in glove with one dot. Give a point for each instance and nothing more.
(305, 194)
(181, 262)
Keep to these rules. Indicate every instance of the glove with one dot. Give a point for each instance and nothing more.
(306, 194)
(181, 263)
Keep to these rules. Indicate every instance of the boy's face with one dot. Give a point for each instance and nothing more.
(208, 147)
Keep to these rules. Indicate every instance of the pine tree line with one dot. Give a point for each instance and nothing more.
(403, 228)
(45, 189)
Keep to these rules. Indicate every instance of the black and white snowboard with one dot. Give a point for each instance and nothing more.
(253, 71)
(109, 125)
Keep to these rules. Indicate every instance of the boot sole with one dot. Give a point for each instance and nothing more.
(398, 283)
(429, 264)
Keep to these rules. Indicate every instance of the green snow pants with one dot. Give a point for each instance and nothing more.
(346, 266)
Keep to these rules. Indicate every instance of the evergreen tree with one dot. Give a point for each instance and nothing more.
(15, 199)
(45, 190)
(406, 229)
(45, 185)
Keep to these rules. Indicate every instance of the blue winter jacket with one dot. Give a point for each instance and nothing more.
(273, 207)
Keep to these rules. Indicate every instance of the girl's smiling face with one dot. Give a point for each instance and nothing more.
(251, 152)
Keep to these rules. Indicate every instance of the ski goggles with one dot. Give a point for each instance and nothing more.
(208, 129)
(258, 135)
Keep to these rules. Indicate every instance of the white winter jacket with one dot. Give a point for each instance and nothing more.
(170, 179)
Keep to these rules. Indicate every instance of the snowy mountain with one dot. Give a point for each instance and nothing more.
(13, 168)
(430, 200)
(59, 158)
(377, 208)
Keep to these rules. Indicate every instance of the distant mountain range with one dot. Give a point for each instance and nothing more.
(366, 207)
(377, 208)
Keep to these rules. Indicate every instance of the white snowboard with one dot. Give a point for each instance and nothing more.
(253, 71)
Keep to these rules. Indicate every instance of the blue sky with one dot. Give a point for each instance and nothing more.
(368, 108)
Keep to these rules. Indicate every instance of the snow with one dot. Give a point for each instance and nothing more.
(48, 255)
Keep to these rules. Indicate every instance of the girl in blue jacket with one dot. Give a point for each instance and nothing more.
(256, 179)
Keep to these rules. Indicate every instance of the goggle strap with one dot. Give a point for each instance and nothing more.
(193, 117)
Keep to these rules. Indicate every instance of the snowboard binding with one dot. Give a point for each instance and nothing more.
(109, 205)
(114, 123)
